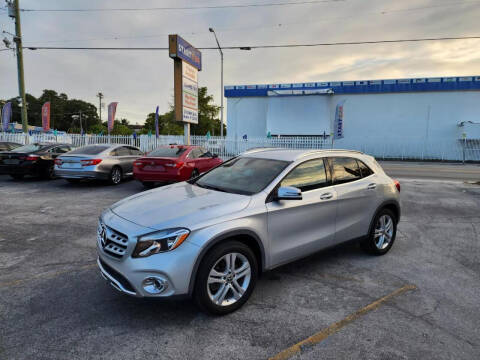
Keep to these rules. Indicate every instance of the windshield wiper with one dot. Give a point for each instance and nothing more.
(210, 187)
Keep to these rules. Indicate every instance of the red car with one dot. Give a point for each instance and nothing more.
(173, 163)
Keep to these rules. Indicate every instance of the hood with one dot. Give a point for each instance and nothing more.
(178, 205)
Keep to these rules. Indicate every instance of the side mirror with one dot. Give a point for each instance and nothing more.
(288, 193)
(214, 156)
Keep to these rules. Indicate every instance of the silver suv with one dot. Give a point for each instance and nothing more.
(212, 236)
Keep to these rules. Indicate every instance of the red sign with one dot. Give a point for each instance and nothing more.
(46, 116)
(112, 109)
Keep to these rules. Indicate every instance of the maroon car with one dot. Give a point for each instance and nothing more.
(173, 163)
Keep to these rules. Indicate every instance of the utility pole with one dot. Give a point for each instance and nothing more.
(100, 97)
(221, 81)
(14, 12)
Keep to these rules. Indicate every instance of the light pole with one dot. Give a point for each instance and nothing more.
(100, 97)
(14, 12)
(221, 82)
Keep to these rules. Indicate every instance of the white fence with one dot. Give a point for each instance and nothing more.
(381, 148)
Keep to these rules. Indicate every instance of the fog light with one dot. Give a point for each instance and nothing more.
(154, 285)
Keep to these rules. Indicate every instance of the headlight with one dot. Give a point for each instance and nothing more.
(160, 241)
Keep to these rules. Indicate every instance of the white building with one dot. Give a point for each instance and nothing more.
(405, 118)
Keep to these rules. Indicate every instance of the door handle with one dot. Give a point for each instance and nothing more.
(371, 186)
(326, 196)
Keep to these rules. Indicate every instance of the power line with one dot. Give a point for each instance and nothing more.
(278, 25)
(258, 46)
(311, 2)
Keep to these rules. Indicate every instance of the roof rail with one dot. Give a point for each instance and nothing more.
(329, 150)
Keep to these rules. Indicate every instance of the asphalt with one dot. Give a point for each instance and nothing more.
(432, 170)
(55, 305)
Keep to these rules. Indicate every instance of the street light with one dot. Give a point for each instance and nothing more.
(221, 82)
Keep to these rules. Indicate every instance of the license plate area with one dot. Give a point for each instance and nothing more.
(11, 161)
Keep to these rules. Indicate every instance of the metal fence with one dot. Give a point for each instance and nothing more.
(381, 148)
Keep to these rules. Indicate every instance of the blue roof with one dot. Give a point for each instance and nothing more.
(360, 87)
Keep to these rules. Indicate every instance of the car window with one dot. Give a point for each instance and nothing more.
(307, 176)
(345, 170)
(62, 149)
(195, 153)
(90, 149)
(171, 151)
(364, 169)
(122, 151)
(242, 175)
(28, 148)
(134, 151)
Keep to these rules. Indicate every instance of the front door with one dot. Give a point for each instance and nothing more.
(298, 228)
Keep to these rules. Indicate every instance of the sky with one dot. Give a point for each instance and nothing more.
(140, 81)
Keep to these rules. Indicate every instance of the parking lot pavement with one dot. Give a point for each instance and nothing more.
(432, 170)
(55, 305)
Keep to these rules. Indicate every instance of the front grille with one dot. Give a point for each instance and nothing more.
(112, 242)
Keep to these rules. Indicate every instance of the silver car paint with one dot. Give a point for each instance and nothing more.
(100, 171)
(287, 229)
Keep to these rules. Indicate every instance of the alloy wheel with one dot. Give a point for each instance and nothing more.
(383, 232)
(229, 279)
(116, 176)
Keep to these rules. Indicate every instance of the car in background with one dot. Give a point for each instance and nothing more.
(173, 163)
(35, 159)
(8, 146)
(101, 161)
(211, 237)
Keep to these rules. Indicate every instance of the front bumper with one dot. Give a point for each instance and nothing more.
(79, 174)
(129, 275)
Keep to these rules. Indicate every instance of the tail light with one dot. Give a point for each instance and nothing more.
(90, 162)
(32, 158)
(58, 161)
(397, 184)
(177, 165)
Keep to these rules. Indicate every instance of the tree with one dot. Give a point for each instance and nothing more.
(207, 119)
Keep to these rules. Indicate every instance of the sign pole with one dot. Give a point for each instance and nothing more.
(187, 61)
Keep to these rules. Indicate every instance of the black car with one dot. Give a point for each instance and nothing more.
(8, 146)
(33, 159)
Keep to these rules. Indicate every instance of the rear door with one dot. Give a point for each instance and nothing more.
(357, 197)
(297, 228)
(126, 159)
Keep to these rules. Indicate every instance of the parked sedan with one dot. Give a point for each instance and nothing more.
(104, 162)
(8, 146)
(173, 163)
(33, 159)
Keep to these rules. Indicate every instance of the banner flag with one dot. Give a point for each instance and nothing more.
(112, 109)
(156, 123)
(338, 122)
(6, 115)
(46, 116)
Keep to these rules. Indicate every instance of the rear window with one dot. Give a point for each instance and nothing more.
(28, 148)
(171, 152)
(90, 149)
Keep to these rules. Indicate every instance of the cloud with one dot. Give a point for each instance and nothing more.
(141, 80)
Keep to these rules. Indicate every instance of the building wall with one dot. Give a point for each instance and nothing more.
(401, 123)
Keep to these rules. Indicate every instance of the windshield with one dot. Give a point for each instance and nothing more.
(27, 148)
(242, 175)
(171, 152)
(90, 150)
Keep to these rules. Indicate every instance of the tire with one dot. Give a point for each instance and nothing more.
(148, 184)
(382, 235)
(194, 174)
(236, 289)
(115, 176)
(17, 176)
(73, 181)
(49, 172)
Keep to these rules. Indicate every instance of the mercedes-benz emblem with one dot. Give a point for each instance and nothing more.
(103, 236)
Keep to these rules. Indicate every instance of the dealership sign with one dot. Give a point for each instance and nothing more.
(187, 64)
